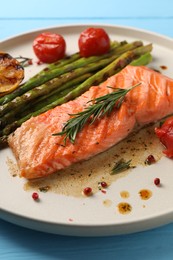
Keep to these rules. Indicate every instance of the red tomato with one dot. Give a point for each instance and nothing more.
(93, 41)
(49, 47)
(165, 134)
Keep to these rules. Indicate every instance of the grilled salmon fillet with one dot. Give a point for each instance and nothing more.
(39, 153)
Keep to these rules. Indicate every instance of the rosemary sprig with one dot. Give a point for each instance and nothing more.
(121, 166)
(24, 61)
(102, 106)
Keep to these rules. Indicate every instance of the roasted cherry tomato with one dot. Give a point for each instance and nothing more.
(93, 42)
(49, 47)
(165, 134)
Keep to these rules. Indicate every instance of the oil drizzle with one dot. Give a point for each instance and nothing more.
(107, 203)
(124, 208)
(145, 194)
(163, 67)
(124, 194)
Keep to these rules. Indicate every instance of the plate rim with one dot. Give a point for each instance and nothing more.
(74, 225)
(131, 28)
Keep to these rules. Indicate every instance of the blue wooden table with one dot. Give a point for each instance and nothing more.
(20, 16)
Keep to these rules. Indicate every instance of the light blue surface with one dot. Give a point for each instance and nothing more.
(19, 16)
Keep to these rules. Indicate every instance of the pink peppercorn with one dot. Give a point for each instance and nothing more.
(150, 159)
(103, 184)
(157, 181)
(35, 196)
(87, 191)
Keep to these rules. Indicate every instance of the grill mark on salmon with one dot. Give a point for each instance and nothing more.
(39, 154)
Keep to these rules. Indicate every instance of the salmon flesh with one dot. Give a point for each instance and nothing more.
(39, 153)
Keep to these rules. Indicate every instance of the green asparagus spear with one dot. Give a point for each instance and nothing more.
(142, 60)
(114, 67)
(63, 90)
(72, 58)
(21, 90)
(43, 101)
(76, 56)
(48, 74)
(43, 89)
(110, 70)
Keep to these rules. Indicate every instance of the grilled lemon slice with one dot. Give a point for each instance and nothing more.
(11, 73)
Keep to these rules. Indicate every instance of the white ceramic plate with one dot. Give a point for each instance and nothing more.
(91, 216)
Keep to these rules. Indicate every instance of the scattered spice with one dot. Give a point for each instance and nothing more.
(104, 184)
(39, 62)
(44, 188)
(35, 196)
(157, 181)
(150, 160)
(101, 186)
(87, 191)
